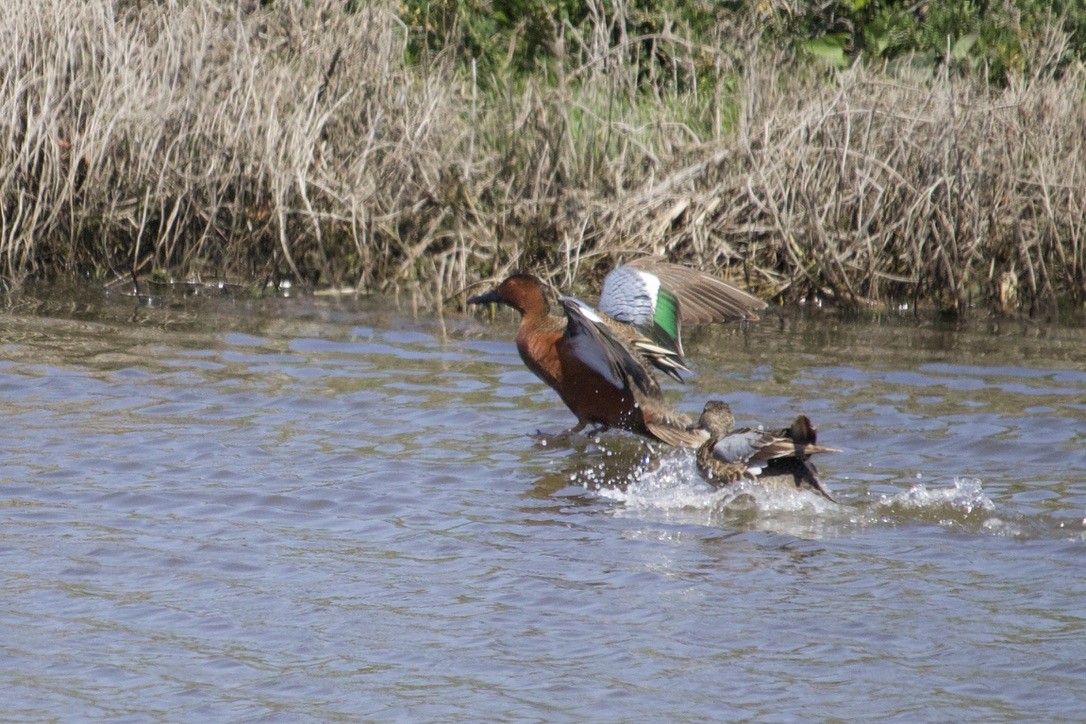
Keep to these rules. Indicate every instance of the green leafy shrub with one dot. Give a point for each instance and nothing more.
(971, 35)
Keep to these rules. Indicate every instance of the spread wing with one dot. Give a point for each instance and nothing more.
(649, 315)
(657, 298)
(704, 298)
(635, 296)
(593, 343)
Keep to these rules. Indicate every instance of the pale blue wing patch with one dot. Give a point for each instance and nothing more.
(629, 295)
(739, 447)
(635, 296)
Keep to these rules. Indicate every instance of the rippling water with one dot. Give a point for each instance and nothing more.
(305, 509)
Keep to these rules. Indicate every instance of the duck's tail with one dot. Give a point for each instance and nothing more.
(671, 426)
(807, 477)
(677, 436)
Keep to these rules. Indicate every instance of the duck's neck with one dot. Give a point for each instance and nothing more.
(535, 312)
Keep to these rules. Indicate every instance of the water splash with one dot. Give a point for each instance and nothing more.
(963, 504)
(966, 496)
(669, 488)
(668, 483)
(672, 482)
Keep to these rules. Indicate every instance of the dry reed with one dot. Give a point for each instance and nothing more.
(186, 138)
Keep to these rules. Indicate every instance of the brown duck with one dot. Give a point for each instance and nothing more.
(771, 458)
(598, 361)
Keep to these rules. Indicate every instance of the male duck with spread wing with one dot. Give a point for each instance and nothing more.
(598, 360)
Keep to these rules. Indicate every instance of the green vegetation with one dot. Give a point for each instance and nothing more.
(863, 151)
(993, 38)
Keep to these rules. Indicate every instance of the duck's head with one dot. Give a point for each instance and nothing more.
(803, 432)
(716, 418)
(522, 292)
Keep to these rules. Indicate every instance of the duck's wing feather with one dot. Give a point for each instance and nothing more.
(702, 298)
(594, 344)
(636, 297)
(804, 436)
(755, 446)
(673, 427)
(657, 298)
(742, 446)
(676, 435)
(630, 295)
(660, 354)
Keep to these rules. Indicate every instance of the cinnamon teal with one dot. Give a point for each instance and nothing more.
(598, 360)
(771, 458)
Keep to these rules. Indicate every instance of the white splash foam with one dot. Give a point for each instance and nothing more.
(672, 483)
(998, 526)
(669, 483)
(965, 497)
(669, 489)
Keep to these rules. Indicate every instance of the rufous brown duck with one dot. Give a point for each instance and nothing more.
(598, 360)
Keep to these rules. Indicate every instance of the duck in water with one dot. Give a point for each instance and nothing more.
(771, 458)
(598, 360)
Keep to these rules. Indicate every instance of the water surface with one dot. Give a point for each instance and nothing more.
(311, 509)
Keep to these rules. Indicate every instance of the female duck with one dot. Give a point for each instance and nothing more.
(773, 459)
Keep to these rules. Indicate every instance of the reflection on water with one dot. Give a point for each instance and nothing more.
(220, 507)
